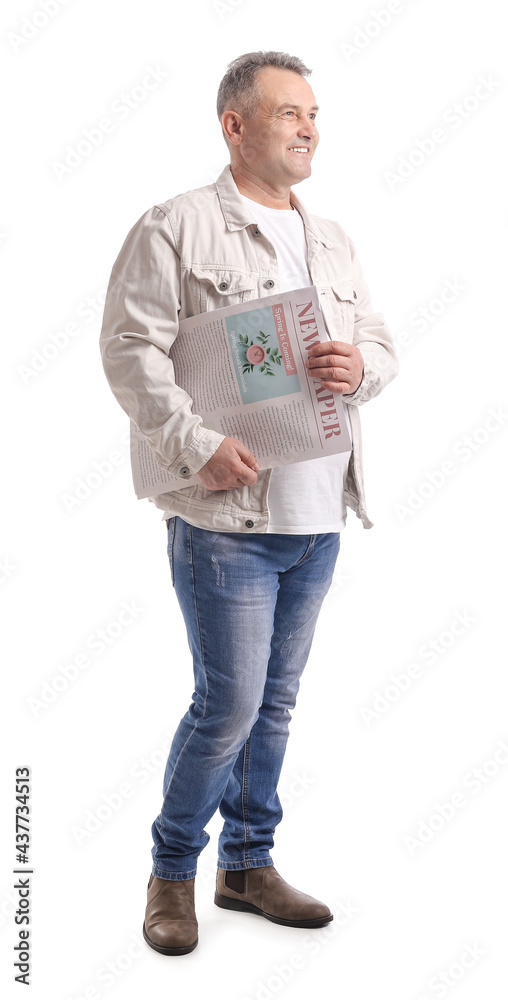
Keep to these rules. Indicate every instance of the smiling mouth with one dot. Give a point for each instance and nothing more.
(298, 149)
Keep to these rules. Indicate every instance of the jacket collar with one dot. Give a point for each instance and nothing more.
(237, 215)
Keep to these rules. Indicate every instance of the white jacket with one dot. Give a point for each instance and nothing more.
(197, 252)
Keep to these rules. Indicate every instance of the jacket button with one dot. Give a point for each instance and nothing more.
(269, 283)
(249, 524)
(184, 471)
(223, 285)
(354, 294)
(256, 232)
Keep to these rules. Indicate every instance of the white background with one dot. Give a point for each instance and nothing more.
(354, 789)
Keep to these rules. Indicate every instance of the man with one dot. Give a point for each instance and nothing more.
(251, 552)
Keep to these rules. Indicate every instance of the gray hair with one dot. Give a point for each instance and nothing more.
(239, 89)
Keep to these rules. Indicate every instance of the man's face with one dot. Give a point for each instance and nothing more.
(279, 142)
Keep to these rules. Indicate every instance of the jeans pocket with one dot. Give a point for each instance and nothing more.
(171, 539)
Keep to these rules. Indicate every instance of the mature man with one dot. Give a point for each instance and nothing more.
(251, 552)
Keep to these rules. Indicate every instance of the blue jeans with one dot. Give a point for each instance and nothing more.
(250, 604)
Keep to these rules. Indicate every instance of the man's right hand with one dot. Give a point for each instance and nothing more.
(232, 465)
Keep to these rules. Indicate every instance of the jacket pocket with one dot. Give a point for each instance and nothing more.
(338, 307)
(216, 287)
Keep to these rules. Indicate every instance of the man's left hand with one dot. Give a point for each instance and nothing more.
(338, 365)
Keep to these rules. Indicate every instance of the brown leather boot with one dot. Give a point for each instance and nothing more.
(263, 891)
(170, 923)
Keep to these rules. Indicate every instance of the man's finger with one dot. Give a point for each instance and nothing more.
(325, 346)
(342, 387)
(332, 374)
(247, 476)
(246, 456)
(329, 360)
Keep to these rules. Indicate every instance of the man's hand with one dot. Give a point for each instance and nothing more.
(232, 465)
(337, 364)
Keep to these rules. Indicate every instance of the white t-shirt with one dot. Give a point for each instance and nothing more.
(305, 497)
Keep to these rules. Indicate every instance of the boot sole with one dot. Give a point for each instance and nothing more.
(227, 903)
(183, 950)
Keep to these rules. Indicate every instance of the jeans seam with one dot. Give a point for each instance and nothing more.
(170, 548)
(174, 876)
(201, 649)
(264, 862)
(245, 808)
(310, 545)
(204, 672)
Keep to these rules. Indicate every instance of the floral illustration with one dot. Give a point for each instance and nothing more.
(259, 354)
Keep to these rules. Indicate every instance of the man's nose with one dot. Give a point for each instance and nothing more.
(308, 131)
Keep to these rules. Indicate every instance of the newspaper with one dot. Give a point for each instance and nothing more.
(243, 367)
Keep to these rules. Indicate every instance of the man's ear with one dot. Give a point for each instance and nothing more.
(232, 126)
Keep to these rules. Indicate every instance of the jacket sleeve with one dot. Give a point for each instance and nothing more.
(140, 324)
(373, 339)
